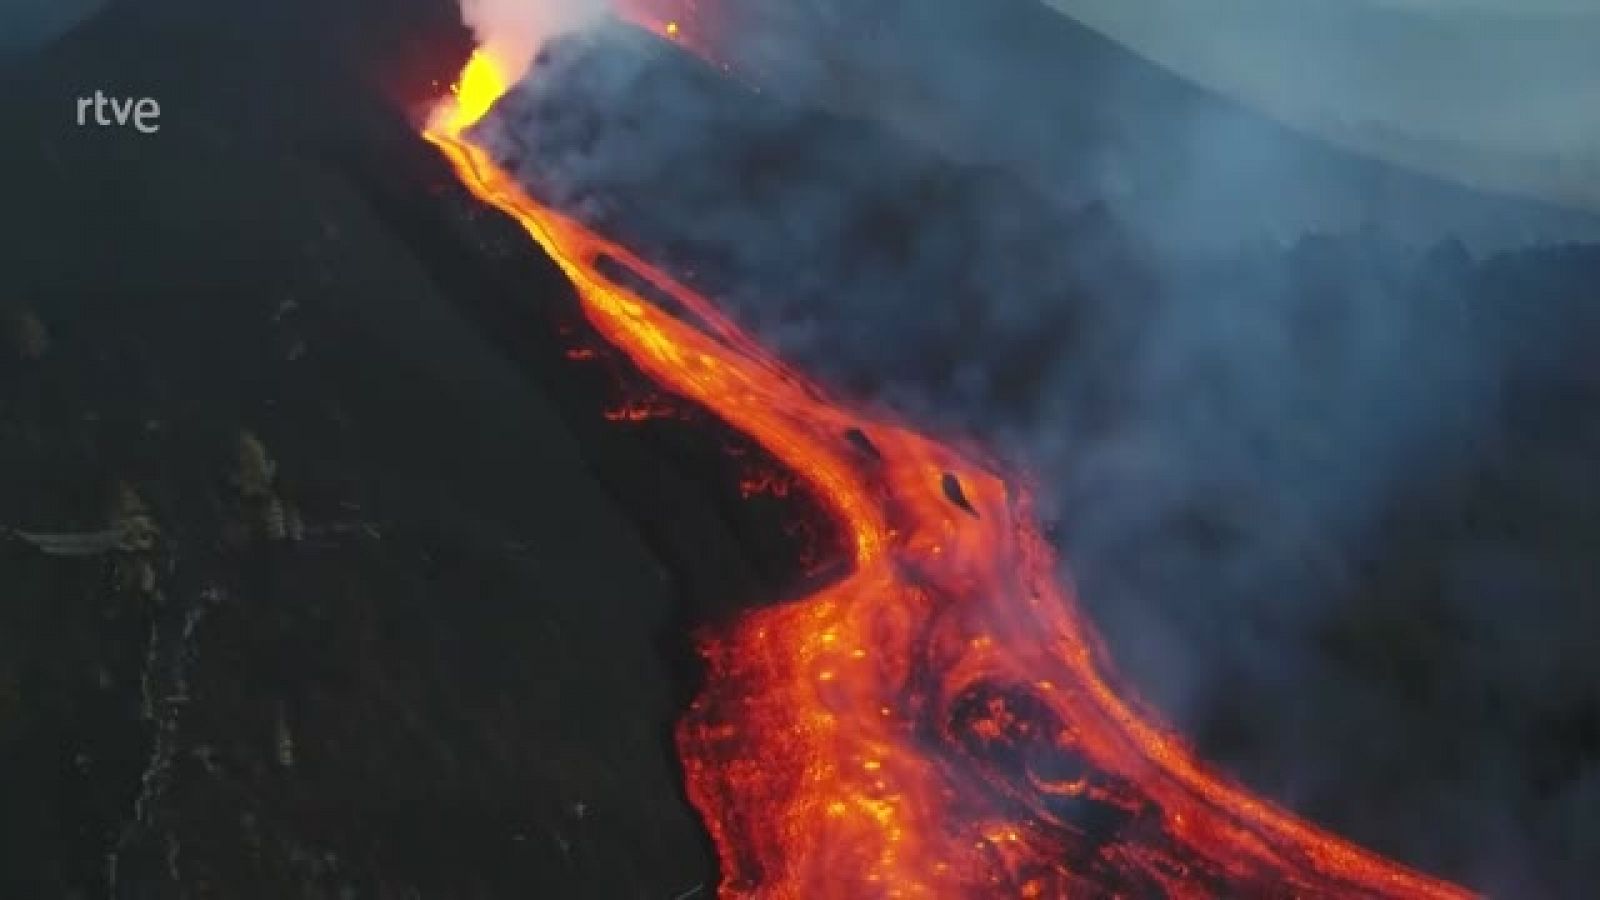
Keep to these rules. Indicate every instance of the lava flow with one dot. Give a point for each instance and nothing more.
(939, 722)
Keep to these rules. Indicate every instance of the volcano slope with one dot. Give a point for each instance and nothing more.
(424, 653)
(459, 679)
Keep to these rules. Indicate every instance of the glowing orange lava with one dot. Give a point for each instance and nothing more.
(939, 722)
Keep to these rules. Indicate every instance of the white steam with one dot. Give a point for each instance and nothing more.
(512, 31)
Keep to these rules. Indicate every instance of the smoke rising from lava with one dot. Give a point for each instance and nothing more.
(1249, 444)
(511, 32)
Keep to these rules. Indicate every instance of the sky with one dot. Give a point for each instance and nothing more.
(1515, 7)
(1499, 93)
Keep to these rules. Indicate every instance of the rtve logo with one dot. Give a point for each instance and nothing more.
(143, 111)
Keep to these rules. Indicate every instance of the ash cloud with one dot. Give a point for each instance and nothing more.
(1327, 486)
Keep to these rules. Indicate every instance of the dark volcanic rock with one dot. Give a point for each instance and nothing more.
(399, 641)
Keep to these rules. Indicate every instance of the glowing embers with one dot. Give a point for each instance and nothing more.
(680, 21)
(643, 410)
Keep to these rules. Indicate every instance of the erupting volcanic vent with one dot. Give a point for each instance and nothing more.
(938, 722)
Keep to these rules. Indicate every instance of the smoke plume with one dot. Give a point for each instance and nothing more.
(511, 32)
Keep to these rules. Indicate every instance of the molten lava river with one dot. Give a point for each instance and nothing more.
(939, 721)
